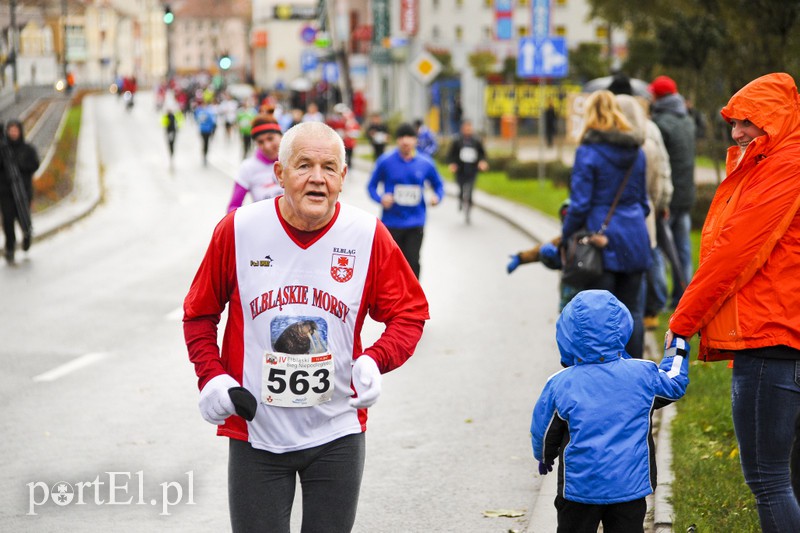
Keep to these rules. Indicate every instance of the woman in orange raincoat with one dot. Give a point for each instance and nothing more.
(743, 299)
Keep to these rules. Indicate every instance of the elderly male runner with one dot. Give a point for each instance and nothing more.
(300, 274)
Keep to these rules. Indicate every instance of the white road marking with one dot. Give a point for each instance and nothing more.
(71, 366)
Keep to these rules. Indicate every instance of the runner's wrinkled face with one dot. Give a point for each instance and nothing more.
(312, 180)
(743, 132)
(268, 144)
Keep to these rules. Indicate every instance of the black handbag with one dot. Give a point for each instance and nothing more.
(582, 260)
(582, 255)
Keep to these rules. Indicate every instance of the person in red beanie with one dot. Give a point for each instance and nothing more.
(662, 86)
(677, 126)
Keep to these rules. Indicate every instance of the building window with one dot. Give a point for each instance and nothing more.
(459, 33)
(524, 3)
(488, 3)
(561, 30)
(435, 32)
(488, 33)
(523, 31)
(561, 2)
(436, 5)
(459, 4)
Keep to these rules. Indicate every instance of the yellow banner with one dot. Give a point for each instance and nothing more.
(526, 100)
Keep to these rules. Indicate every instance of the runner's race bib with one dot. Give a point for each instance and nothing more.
(379, 137)
(468, 154)
(297, 380)
(407, 195)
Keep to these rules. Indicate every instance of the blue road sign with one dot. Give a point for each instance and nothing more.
(330, 72)
(308, 34)
(308, 60)
(542, 58)
(540, 27)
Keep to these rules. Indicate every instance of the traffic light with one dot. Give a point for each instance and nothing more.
(169, 16)
(225, 62)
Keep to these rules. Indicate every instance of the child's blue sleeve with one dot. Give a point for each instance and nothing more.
(673, 372)
(544, 414)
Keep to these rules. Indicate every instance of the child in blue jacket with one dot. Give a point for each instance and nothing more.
(595, 416)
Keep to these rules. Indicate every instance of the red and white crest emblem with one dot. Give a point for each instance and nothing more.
(342, 267)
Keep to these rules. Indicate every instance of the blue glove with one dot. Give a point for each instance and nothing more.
(513, 264)
(549, 256)
(544, 468)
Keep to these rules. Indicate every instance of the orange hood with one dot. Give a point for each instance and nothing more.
(772, 103)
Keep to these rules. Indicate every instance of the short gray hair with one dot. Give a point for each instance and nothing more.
(317, 130)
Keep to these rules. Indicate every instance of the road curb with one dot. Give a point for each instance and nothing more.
(87, 188)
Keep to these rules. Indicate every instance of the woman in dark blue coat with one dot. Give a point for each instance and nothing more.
(607, 151)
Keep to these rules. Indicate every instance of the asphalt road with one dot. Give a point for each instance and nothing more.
(98, 392)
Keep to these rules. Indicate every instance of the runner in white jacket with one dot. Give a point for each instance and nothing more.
(256, 173)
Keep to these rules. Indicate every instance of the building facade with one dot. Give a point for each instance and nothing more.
(461, 28)
(384, 40)
(205, 31)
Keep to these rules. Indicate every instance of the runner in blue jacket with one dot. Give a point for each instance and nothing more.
(404, 174)
(595, 416)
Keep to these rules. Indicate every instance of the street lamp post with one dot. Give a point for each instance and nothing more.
(169, 18)
(12, 37)
(64, 39)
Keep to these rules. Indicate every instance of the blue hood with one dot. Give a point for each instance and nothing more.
(593, 328)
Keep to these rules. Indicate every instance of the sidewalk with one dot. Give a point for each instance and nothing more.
(87, 193)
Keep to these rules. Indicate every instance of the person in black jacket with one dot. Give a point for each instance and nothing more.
(466, 157)
(27, 161)
(378, 135)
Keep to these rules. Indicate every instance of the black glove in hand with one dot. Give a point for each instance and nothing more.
(544, 468)
(244, 402)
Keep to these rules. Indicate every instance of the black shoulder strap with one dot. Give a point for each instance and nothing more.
(617, 197)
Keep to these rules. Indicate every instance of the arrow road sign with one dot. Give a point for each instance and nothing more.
(308, 60)
(542, 58)
(330, 72)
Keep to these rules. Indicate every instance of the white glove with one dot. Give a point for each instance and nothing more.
(367, 382)
(215, 402)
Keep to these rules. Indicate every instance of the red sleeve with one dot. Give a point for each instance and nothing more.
(393, 296)
(209, 293)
